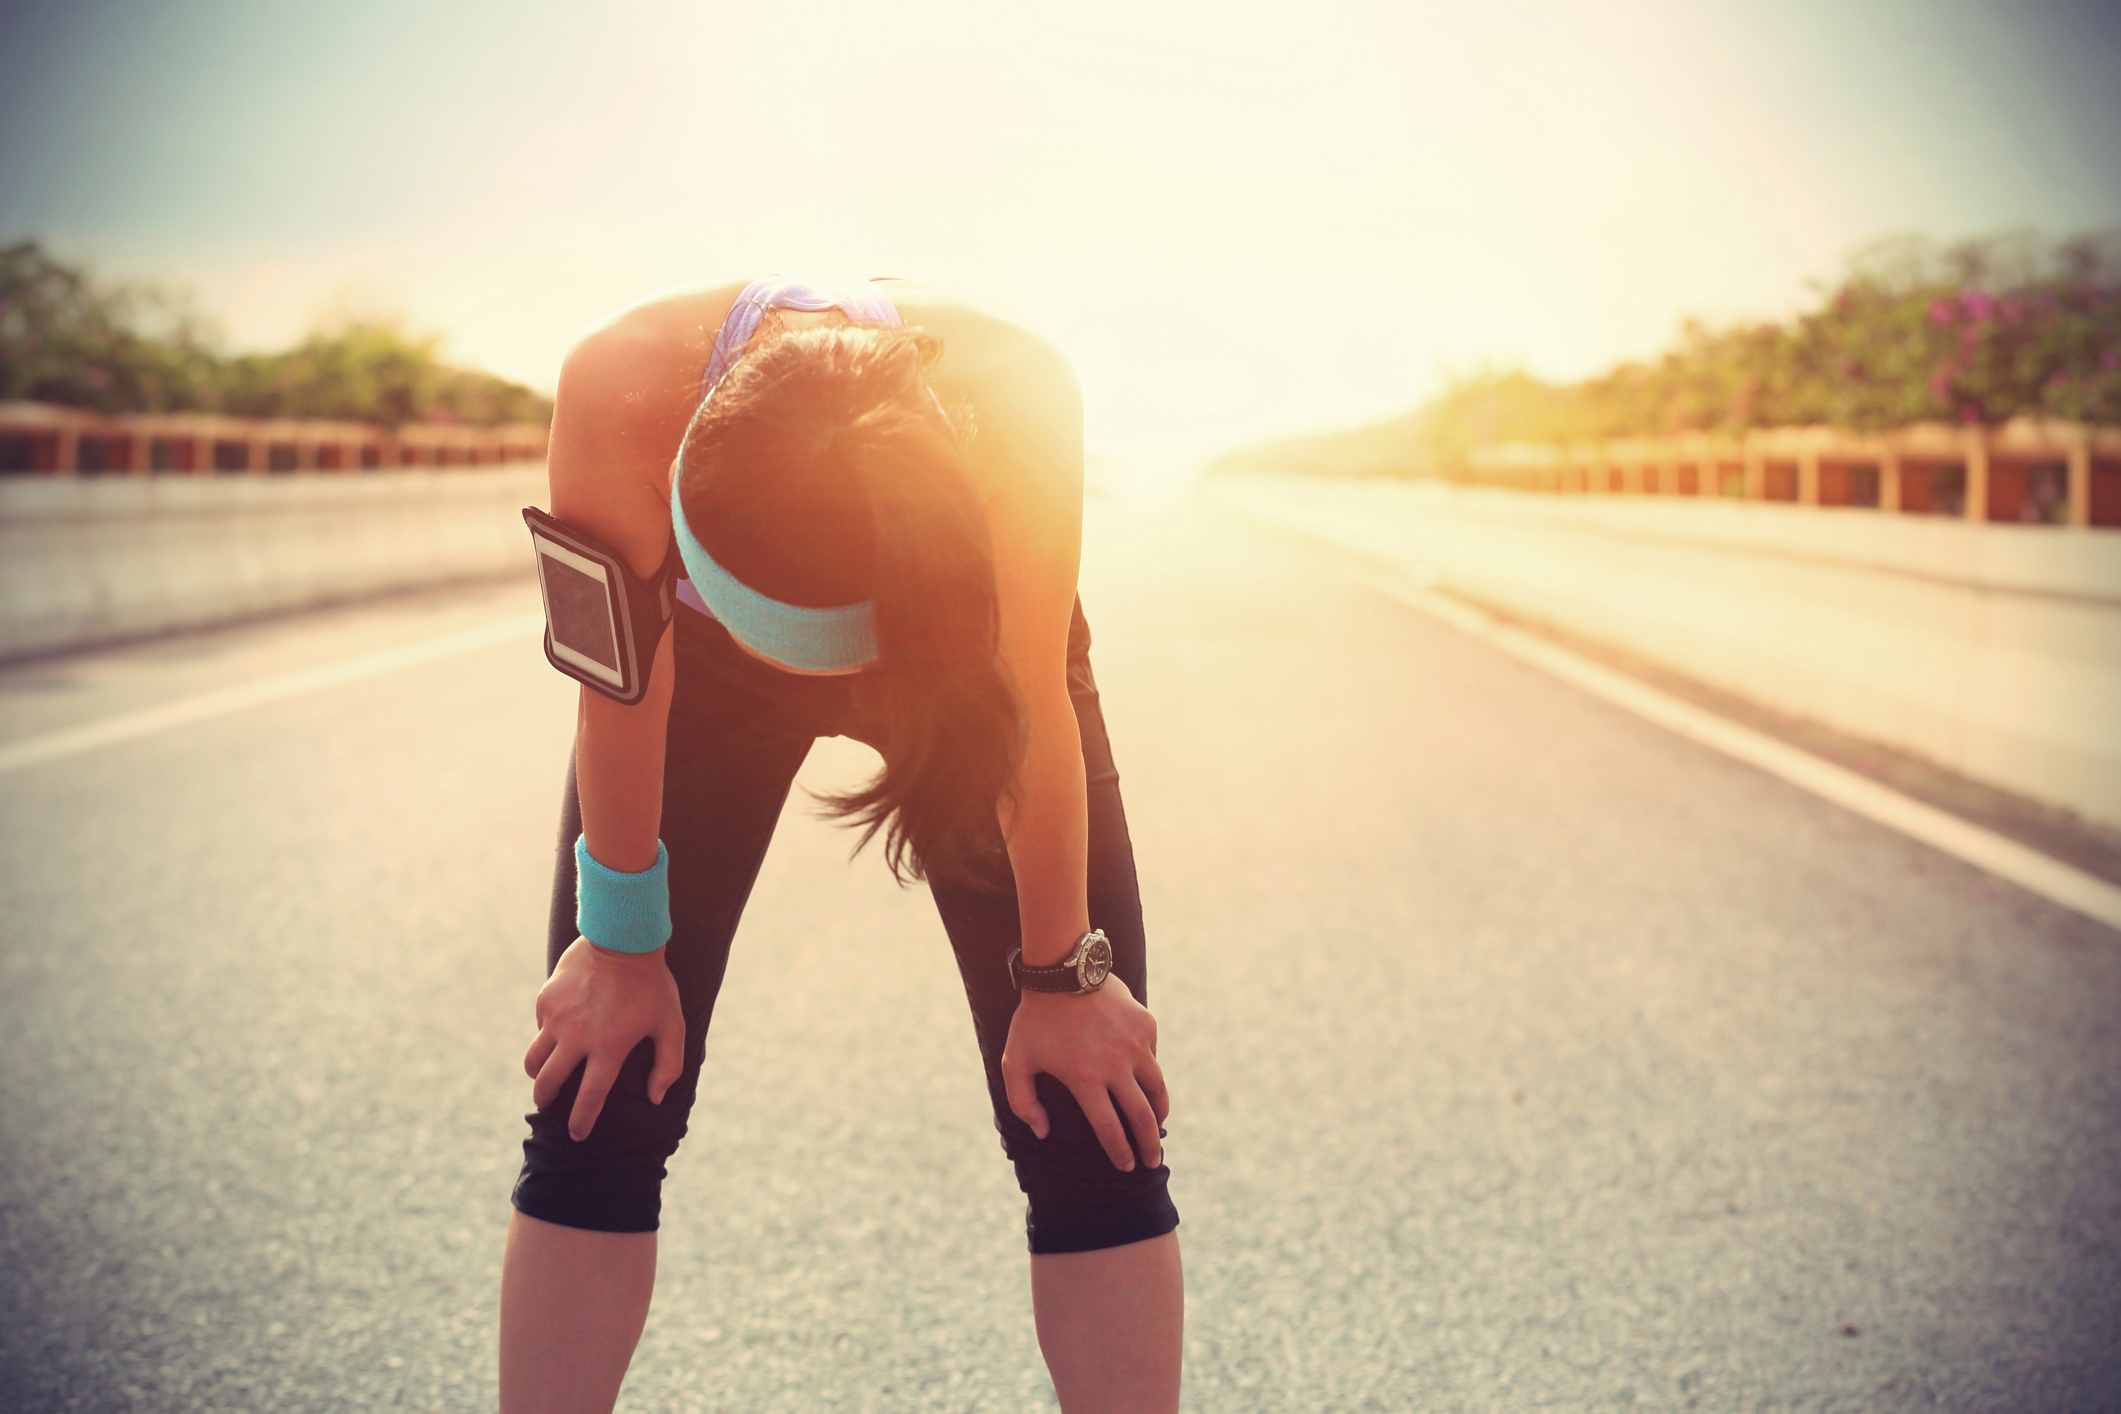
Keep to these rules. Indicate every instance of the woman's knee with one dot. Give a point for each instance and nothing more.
(611, 1181)
(1076, 1198)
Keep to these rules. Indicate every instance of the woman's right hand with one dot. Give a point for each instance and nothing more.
(596, 1007)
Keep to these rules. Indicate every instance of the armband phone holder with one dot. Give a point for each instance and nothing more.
(602, 622)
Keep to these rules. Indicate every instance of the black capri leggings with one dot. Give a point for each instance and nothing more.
(739, 729)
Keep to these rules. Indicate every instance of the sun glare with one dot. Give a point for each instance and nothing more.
(1242, 219)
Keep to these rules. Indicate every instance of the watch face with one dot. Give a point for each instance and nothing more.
(1096, 964)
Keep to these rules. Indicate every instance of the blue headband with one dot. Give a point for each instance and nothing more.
(815, 640)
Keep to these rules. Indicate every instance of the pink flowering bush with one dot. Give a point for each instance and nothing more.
(1978, 332)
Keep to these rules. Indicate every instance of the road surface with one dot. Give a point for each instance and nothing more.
(1524, 1056)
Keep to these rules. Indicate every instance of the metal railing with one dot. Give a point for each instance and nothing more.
(63, 441)
(2026, 471)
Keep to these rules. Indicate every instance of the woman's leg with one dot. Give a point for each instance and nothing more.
(573, 1303)
(580, 1261)
(1107, 1290)
(1111, 1325)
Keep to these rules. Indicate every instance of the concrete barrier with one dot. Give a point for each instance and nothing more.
(1994, 650)
(88, 560)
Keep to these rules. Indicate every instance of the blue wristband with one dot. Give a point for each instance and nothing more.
(622, 912)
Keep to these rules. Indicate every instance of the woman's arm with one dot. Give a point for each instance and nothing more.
(1101, 1045)
(610, 453)
(611, 449)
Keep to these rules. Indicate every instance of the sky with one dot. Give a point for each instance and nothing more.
(1241, 218)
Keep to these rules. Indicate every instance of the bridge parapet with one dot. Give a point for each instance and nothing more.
(2026, 471)
(100, 559)
(64, 441)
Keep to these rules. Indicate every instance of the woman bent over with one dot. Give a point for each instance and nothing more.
(771, 521)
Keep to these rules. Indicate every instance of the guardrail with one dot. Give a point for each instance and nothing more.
(99, 559)
(64, 441)
(1994, 650)
(2026, 471)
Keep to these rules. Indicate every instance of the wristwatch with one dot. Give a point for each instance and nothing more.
(1084, 969)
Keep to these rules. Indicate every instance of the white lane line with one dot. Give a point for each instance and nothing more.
(1985, 849)
(52, 746)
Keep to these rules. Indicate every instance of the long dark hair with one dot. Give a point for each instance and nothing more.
(823, 472)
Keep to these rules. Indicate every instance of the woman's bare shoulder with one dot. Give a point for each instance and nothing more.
(983, 341)
(627, 390)
(654, 341)
(1021, 386)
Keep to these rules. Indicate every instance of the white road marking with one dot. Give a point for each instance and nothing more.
(52, 746)
(1985, 849)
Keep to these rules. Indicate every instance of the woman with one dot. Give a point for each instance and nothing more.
(879, 529)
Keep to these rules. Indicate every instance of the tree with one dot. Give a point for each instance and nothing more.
(1978, 332)
(125, 349)
(135, 349)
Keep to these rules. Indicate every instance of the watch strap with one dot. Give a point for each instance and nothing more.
(1064, 976)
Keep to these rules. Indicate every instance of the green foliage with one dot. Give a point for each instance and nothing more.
(129, 349)
(370, 371)
(1978, 332)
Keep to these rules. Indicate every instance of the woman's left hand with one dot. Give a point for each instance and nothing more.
(1102, 1046)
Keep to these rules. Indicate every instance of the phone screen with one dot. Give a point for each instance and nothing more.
(578, 607)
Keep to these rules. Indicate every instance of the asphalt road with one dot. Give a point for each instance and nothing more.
(1523, 1056)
